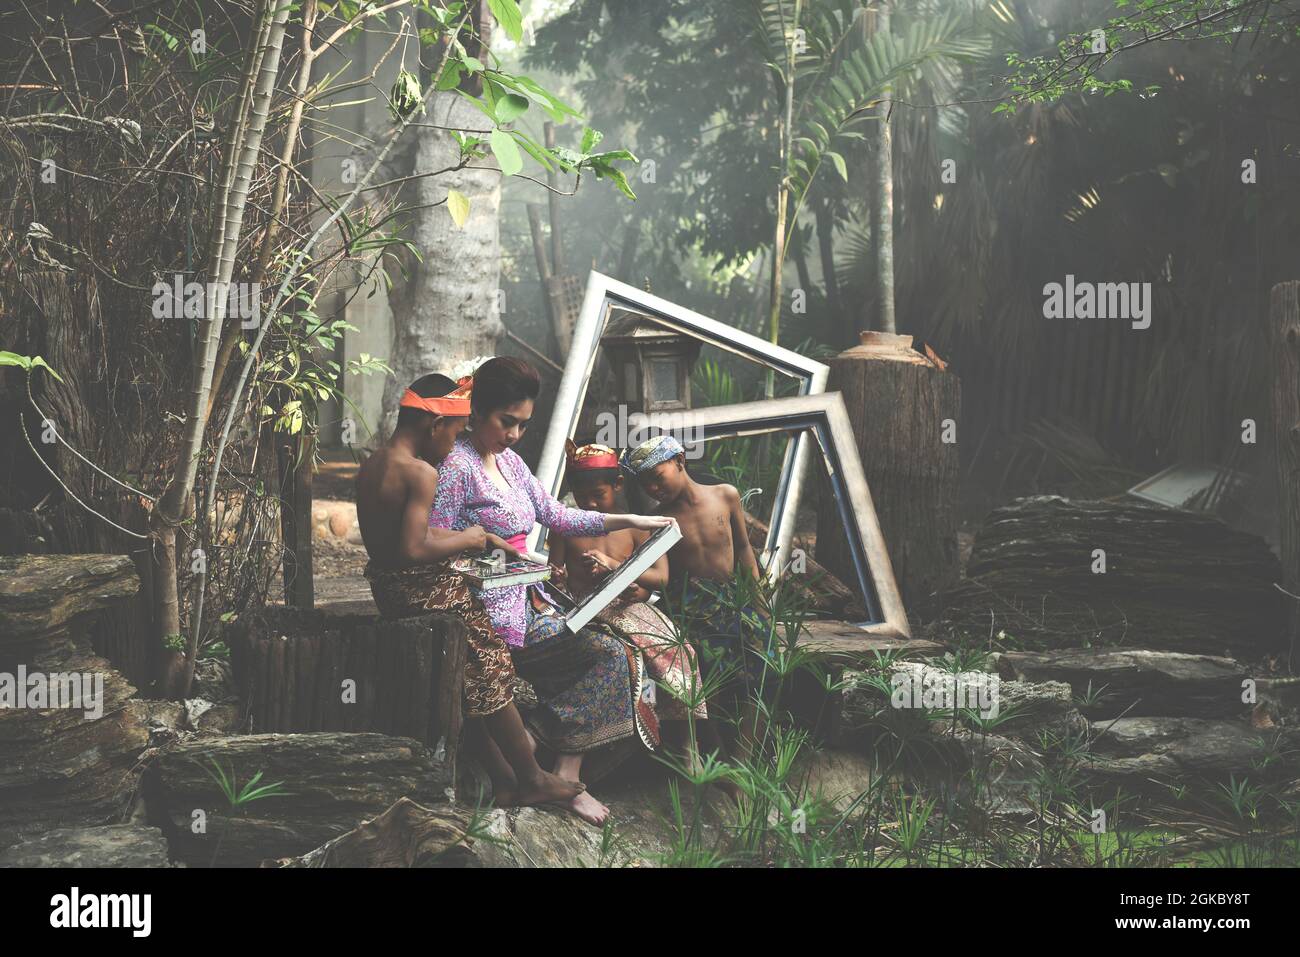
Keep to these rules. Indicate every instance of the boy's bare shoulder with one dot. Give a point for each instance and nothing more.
(727, 493)
(408, 469)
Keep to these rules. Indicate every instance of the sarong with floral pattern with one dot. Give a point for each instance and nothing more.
(589, 685)
(407, 592)
(670, 660)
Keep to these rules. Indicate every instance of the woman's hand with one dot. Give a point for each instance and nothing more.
(495, 542)
(650, 523)
(474, 539)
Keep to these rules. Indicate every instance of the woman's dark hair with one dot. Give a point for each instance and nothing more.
(503, 381)
(426, 387)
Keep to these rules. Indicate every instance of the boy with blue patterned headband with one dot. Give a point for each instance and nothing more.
(714, 546)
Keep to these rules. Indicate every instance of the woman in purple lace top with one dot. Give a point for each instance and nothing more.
(586, 684)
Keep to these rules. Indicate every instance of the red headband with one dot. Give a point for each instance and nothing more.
(455, 402)
(593, 457)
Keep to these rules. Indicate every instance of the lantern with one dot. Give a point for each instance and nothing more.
(652, 363)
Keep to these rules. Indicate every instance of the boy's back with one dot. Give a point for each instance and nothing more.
(391, 486)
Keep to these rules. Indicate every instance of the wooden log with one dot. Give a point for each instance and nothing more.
(1173, 579)
(290, 665)
(289, 682)
(1284, 308)
(305, 693)
(335, 781)
(275, 685)
(451, 688)
(898, 400)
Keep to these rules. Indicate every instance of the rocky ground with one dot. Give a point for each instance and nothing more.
(142, 785)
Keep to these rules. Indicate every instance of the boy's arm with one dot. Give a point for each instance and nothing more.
(555, 549)
(744, 552)
(654, 578)
(418, 543)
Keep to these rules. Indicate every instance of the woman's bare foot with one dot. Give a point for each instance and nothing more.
(588, 808)
(547, 788)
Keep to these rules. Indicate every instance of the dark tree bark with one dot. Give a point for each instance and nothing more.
(898, 401)
(1285, 324)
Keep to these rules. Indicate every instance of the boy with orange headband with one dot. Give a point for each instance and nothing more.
(410, 574)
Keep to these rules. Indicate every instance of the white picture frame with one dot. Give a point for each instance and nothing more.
(823, 420)
(603, 295)
(616, 582)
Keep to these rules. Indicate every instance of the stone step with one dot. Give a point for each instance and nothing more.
(1137, 682)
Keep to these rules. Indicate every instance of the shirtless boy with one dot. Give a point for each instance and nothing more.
(714, 538)
(596, 482)
(714, 544)
(409, 574)
(581, 561)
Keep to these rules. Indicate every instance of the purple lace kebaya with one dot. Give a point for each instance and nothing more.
(467, 496)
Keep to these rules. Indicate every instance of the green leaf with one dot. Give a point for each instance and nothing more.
(506, 152)
(458, 206)
(838, 161)
(510, 107)
(590, 138)
(450, 78)
(535, 150)
(617, 176)
(508, 15)
(27, 363)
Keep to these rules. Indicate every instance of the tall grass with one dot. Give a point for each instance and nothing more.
(934, 790)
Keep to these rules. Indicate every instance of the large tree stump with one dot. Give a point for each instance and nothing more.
(1172, 579)
(1285, 315)
(900, 402)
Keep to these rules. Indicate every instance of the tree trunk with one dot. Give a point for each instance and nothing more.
(450, 310)
(898, 401)
(826, 250)
(1284, 306)
(786, 128)
(242, 150)
(880, 203)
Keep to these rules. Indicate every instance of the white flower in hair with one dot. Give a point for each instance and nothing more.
(467, 367)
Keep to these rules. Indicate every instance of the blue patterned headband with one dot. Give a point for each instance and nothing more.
(650, 453)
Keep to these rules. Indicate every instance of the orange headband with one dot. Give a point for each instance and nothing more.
(455, 402)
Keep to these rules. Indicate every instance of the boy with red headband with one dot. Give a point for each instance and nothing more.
(582, 561)
(410, 574)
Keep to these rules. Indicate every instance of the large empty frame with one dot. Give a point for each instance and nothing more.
(605, 295)
(825, 417)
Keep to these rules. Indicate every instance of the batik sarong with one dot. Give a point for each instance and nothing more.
(407, 592)
(730, 637)
(670, 661)
(589, 686)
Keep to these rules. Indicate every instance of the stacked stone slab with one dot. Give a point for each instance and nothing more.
(59, 769)
(1056, 573)
(331, 783)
